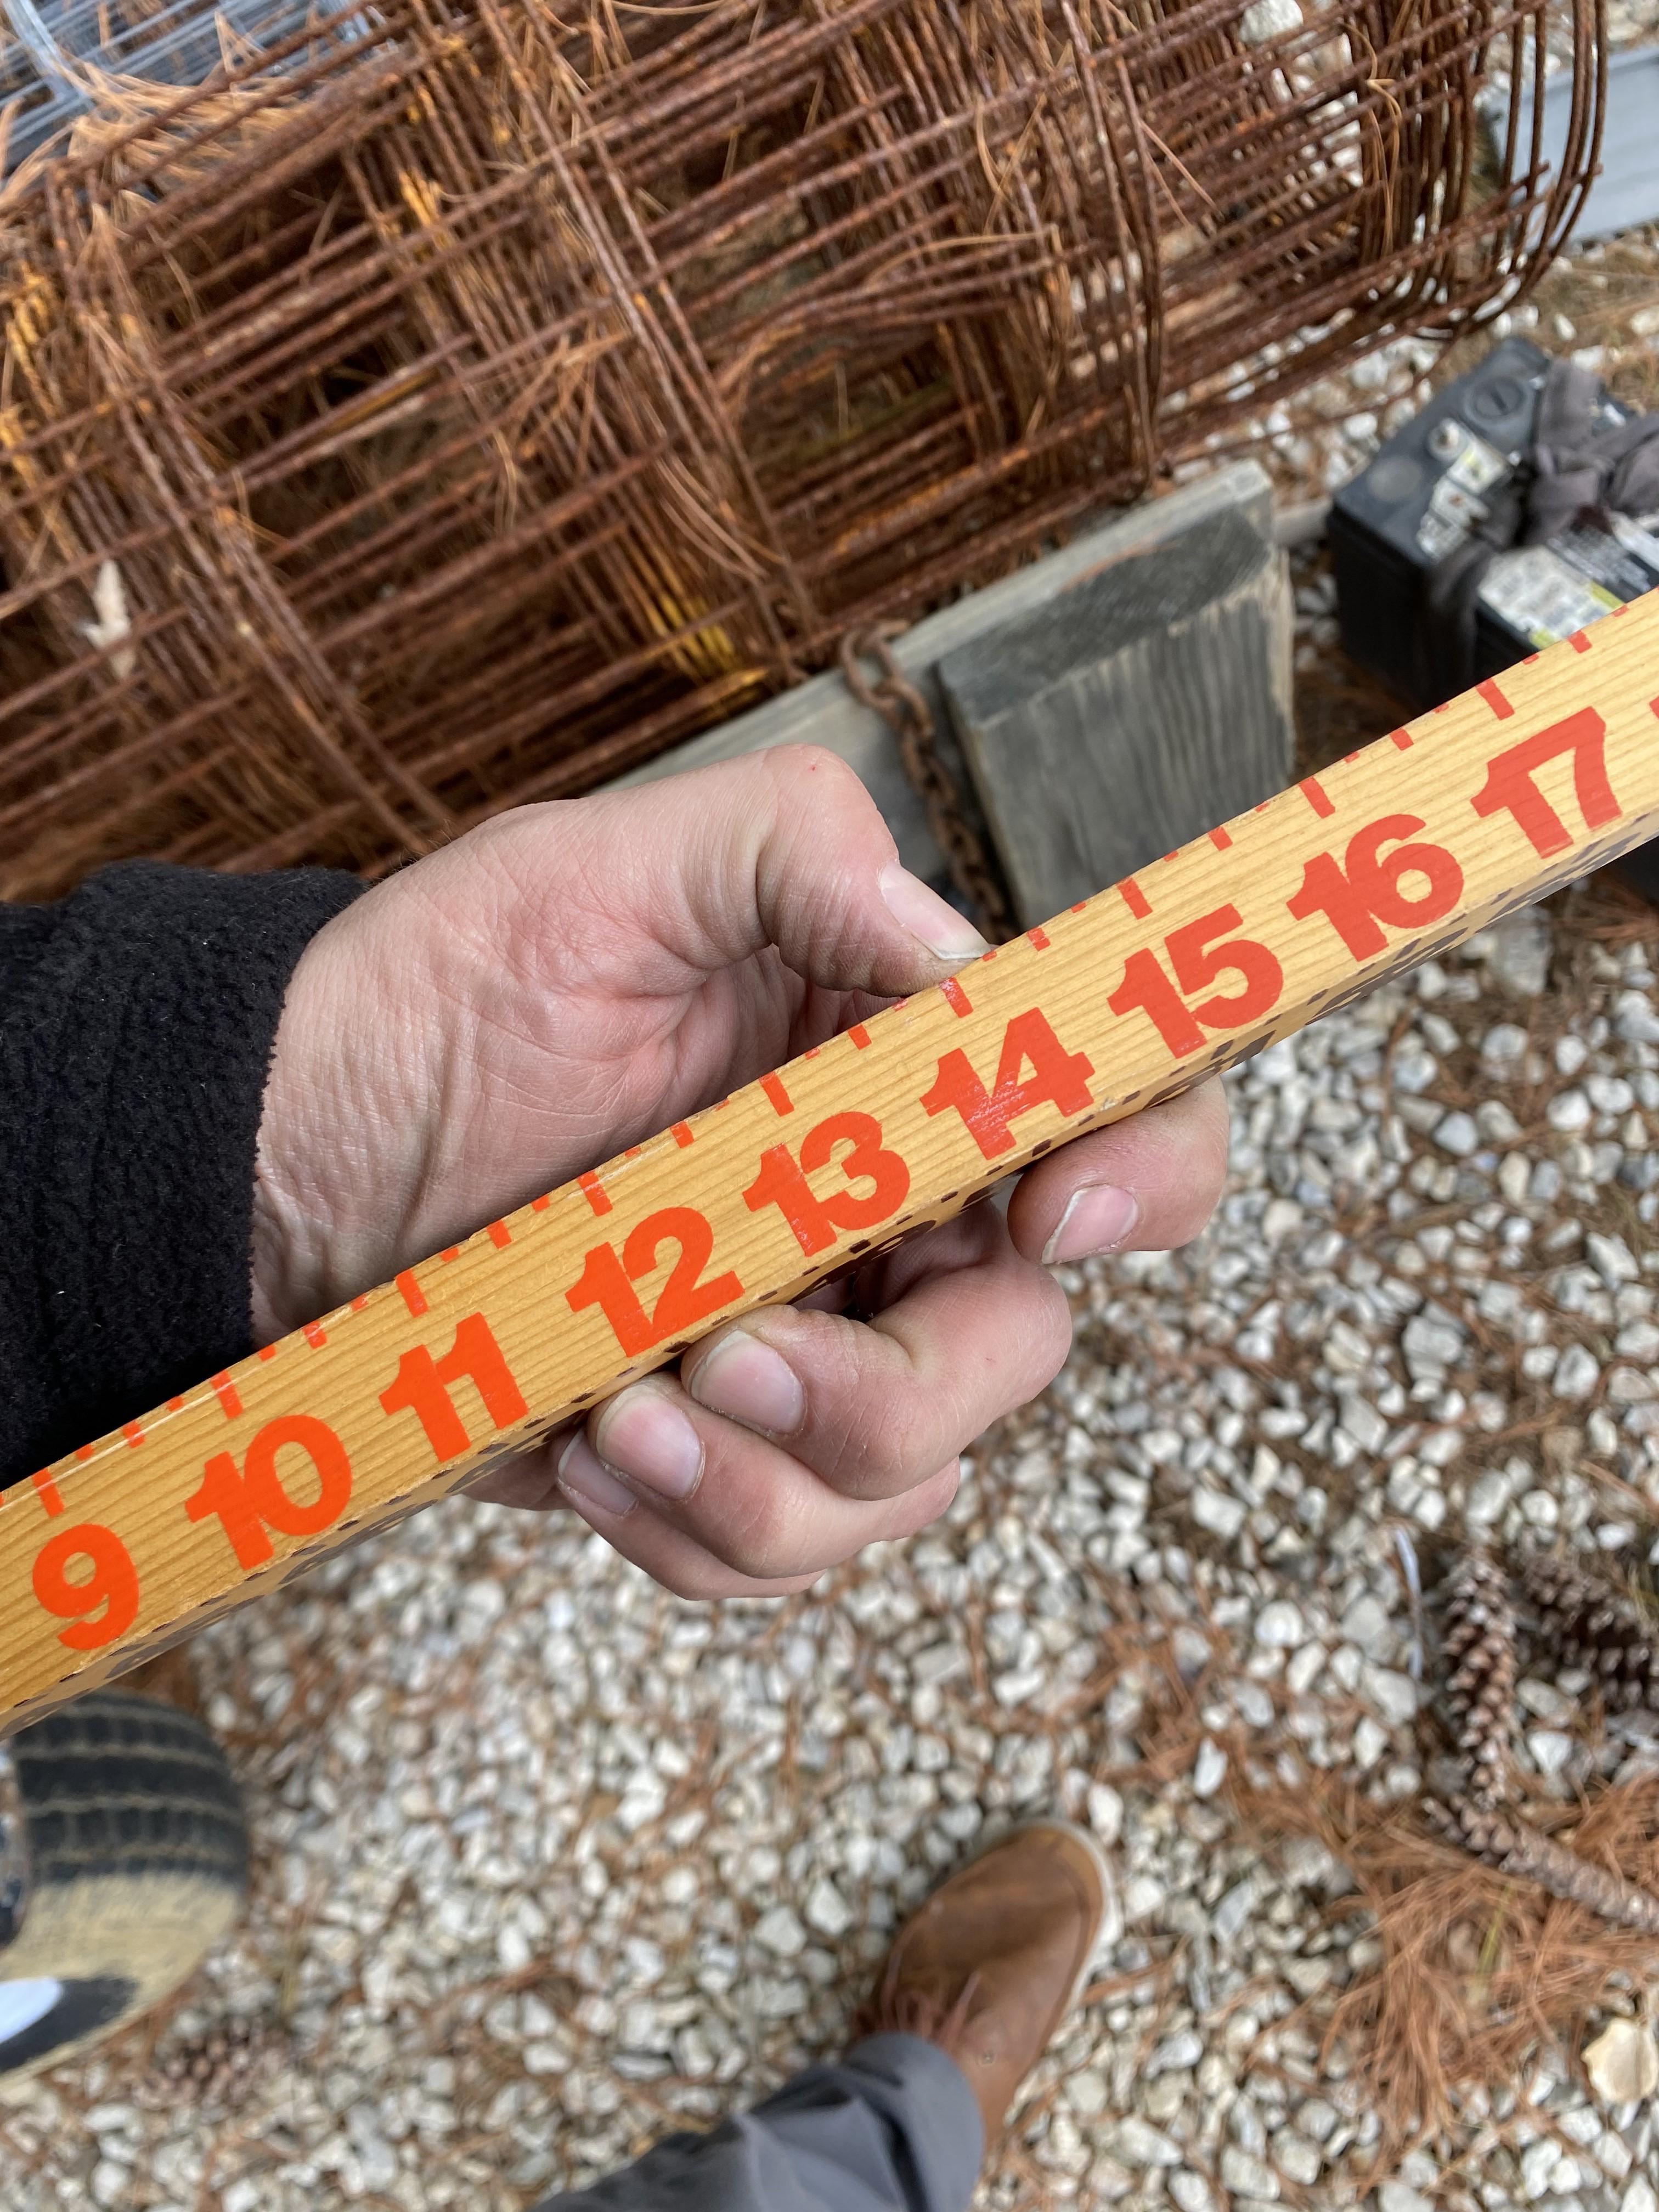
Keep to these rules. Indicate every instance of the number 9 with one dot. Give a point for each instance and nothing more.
(112, 1585)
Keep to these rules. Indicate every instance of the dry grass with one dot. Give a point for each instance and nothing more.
(1479, 1974)
(1598, 289)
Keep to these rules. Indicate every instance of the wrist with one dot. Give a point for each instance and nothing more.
(290, 1261)
(314, 1245)
(352, 1171)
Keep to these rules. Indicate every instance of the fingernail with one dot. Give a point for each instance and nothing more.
(645, 1435)
(1097, 1219)
(581, 1477)
(747, 1382)
(947, 934)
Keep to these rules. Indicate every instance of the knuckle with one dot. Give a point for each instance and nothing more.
(695, 1584)
(885, 1446)
(754, 1541)
(1051, 1336)
(1203, 1191)
(827, 772)
(922, 1506)
(1215, 1146)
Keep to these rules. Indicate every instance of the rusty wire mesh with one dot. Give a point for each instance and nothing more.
(489, 400)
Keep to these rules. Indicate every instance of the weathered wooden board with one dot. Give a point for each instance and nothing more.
(1119, 720)
(823, 711)
(1126, 998)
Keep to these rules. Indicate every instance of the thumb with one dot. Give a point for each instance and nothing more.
(785, 848)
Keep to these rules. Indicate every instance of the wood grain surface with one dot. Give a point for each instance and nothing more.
(1124, 716)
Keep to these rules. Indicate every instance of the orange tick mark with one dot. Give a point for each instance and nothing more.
(175, 1405)
(773, 1086)
(314, 1335)
(133, 1433)
(594, 1192)
(859, 1035)
(682, 1134)
(1080, 906)
(450, 1252)
(1579, 642)
(1039, 938)
(1134, 898)
(955, 997)
(540, 1205)
(83, 1453)
(1494, 698)
(499, 1234)
(46, 1490)
(1314, 791)
(227, 1394)
(1402, 738)
(360, 1302)
(1221, 840)
(413, 1296)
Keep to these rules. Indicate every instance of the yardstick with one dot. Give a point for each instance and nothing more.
(1195, 962)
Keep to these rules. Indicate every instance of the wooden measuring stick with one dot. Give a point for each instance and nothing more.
(1390, 856)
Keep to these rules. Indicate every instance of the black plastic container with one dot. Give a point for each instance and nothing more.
(1415, 505)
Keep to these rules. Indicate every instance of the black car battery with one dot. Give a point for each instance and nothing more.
(1417, 503)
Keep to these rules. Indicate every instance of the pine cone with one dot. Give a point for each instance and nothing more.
(1588, 1621)
(222, 2067)
(1477, 1642)
(1510, 1845)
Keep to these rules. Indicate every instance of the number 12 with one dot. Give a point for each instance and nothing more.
(608, 1282)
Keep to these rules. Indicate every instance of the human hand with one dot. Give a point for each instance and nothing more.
(570, 978)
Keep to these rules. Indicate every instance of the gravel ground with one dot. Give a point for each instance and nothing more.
(548, 1859)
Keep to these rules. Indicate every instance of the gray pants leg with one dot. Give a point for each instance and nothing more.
(892, 2128)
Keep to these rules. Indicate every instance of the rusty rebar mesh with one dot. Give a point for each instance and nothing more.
(494, 398)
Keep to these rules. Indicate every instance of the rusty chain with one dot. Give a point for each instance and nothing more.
(893, 696)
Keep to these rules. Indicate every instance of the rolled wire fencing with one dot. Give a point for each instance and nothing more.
(451, 404)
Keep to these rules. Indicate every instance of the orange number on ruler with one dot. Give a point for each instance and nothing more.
(112, 1585)
(816, 1220)
(608, 1282)
(1197, 960)
(251, 1500)
(1509, 781)
(422, 1385)
(1057, 1075)
(1365, 888)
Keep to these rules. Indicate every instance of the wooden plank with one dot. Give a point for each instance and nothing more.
(1117, 722)
(1200, 960)
(823, 711)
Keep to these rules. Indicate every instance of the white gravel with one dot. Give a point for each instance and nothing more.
(549, 1860)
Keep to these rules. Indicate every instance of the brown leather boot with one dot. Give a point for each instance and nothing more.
(991, 1964)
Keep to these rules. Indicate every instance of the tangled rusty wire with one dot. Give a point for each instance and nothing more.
(491, 398)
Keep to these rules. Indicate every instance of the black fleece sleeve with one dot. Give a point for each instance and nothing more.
(137, 1021)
